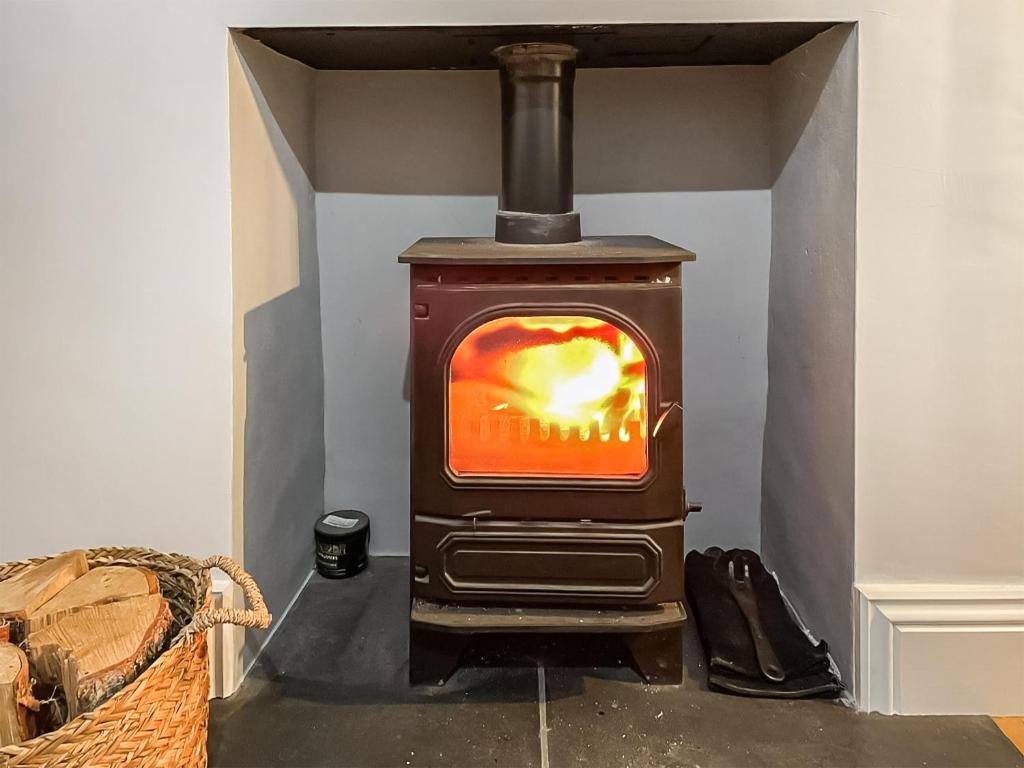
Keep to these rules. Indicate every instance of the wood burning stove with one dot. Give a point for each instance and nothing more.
(547, 487)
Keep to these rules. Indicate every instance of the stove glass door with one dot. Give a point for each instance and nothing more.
(548, 396)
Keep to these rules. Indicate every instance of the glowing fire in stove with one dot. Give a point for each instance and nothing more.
(551, 395)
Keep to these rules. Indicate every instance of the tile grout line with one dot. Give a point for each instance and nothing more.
(542, 711)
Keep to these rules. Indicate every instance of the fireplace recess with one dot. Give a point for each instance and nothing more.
(546, 475)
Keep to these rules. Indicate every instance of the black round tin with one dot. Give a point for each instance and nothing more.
(342, 542)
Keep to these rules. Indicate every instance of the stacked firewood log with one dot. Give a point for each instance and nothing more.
(71, 637)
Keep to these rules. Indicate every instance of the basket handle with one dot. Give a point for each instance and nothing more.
(256, 616)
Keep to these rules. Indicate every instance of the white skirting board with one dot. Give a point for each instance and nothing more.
(940, 648)
(226, 643)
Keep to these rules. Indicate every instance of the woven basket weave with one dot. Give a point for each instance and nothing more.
(161, 718)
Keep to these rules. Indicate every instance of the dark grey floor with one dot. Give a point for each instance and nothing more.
(330, 690)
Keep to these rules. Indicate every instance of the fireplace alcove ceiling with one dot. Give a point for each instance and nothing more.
(599, 45)
(360, 226)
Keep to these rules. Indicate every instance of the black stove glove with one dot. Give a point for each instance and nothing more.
(726, 635)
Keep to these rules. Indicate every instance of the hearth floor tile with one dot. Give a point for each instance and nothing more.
(330, 690)
(610, 712)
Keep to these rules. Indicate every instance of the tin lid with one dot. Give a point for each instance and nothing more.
(342, 524)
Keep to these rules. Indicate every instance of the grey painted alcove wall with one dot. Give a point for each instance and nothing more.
(752, 167)
(276, 293)
(807, 479)
(681, 153)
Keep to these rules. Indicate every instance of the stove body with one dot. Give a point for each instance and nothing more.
(547, 452)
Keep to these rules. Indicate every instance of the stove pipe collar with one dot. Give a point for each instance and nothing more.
(535, 205)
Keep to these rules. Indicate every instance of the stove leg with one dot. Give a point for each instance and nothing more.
(658, 656)
(434, 656)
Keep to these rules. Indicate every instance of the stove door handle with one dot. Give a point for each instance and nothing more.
(667, 410)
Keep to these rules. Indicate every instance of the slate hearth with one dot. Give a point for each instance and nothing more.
(331, 690)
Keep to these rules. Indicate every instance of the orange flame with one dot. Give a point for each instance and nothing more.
(552, 395)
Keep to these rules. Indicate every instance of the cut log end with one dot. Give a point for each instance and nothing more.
(105, 584)
(99, 649)
(23, 594)
(16, 700)
(86, 633)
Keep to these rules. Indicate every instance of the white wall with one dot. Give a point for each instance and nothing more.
(115, 279)
(115, 267)
(940, 281)
(940, 352)
(404, 155)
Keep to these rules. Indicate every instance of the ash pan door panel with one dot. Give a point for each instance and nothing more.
(496, 561)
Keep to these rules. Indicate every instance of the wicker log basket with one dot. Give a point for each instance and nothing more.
(161, 718)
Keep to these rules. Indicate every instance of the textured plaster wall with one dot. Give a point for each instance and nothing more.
(278, 358)
(807, 513)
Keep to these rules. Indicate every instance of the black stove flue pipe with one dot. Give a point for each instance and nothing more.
(536, 205)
